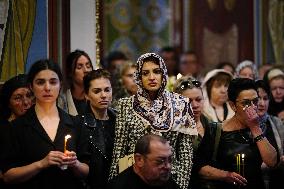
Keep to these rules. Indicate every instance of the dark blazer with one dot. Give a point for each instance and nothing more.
(31, 143)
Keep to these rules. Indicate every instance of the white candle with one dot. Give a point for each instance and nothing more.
(63, 167)
(243, 162)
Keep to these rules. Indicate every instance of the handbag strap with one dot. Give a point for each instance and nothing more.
(217, 139)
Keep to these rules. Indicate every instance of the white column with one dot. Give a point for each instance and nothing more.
(82, 27)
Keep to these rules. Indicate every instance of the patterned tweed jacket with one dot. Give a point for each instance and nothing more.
(130, 126)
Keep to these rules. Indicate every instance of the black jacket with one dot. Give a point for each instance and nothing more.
(101, 139)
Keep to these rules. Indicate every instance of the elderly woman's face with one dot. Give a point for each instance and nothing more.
(246, 72)
(20, 101)
(151, 76)
(263, 102)
(277, 89)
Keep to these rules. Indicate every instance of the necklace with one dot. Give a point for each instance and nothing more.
(225, 111)
(245, 135)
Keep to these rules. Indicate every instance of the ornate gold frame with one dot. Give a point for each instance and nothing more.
(98, 33)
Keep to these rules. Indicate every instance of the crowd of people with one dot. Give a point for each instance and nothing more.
(157, 123)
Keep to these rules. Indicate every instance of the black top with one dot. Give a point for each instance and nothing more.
(4, 146)
(101, 137)
(275, 108)
(4, 139)
(232, 143)
(31, 143)
(197, 139)
(130, 180)
(80, 105)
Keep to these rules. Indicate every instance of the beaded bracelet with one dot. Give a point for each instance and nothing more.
(258, 138)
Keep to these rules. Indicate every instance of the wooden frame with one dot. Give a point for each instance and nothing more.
(59, 33)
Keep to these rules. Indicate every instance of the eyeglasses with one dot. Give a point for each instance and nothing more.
(248, 102)
(189, 84)
(161, 162)
(22, 97)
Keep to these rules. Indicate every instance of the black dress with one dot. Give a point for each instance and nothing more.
(31, 143)
(232, 143)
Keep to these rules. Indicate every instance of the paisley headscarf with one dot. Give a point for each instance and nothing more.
(168, 110)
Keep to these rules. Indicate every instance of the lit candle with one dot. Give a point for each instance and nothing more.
(243, 162)
(65, 142)
(64, 167)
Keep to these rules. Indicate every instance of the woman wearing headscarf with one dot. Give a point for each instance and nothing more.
(275, 79)
(16, 99)
(246, 69)
(155, 110)
(215, 86)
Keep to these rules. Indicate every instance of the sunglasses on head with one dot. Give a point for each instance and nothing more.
(189, 84)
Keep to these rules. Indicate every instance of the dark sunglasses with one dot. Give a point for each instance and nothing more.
(247, 102)
(189, 84)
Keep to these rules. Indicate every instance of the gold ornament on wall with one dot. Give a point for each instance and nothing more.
(98, 36)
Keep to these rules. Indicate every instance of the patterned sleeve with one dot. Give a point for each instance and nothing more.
(121, 135)
(184, 155)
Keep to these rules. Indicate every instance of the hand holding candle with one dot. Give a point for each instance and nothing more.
(63, 167)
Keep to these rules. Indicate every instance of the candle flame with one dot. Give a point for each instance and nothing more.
(65, 142)
(67, 137)
(243, 156)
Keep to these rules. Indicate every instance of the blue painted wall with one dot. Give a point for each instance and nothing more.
(39, 44)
